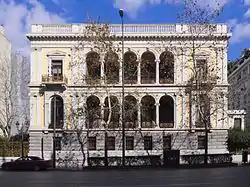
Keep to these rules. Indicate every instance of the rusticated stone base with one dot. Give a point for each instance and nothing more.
(71, 155)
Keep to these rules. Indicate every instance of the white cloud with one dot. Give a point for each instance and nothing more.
(241, 31)
(17, 18)
(247, 2)
(247, 14)
(133, 6)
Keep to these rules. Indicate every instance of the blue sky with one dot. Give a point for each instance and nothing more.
(17, 15)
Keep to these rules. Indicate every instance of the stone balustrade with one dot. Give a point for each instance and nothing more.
(133, 29)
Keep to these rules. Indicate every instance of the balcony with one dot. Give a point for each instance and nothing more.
(54, 80)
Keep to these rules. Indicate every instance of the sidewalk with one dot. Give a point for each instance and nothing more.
(182, 166)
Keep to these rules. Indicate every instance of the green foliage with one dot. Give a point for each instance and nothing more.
(13, 148)
(238, 140)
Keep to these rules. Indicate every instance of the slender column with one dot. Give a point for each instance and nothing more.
(139, 115)
(139, 73)
(49, 65)
(102, 69)
(46, 115)
(157, 71)
(102, 115)
(157, 115)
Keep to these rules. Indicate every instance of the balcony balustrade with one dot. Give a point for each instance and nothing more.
(50, 79)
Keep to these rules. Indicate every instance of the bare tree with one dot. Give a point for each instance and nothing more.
(7, 97)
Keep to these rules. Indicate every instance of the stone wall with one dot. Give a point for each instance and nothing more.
(71, 154)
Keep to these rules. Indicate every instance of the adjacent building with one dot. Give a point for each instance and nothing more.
(159, 113)
(239, 93)
(14, 75)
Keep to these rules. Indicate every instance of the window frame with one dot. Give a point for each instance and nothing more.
(148, 142)
(201, 142)
(111, 143)
(167, 138)
(129, 142)
(92, 147)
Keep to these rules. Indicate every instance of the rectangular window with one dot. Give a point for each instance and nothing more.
(167, 142)
(201, 142)
(57, 67)
(201, 69)
(129, 143)
(237, 123)
(92, 143)
(58, 143)
(111, 143)
(148, 144)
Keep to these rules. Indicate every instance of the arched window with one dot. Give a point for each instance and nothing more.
(93, 112)
(166, 112)
(148, 68)
(148, 110)
(112, 104)
(130, 68)
(93, 67)
(111, 68)
(57, 112)
(166, 71)
(131, 111)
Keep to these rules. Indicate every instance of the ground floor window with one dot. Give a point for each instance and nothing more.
(167, 142)
(92, 143)
(111, 143)
(201, 142)
(148, 144)
(129, 143)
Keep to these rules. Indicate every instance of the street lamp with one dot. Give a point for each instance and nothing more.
(54, 133)
(121, 13)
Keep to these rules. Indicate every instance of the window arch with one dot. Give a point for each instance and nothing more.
(148, 68)
(115, 111)
(130, 68)
(57, 112)
(131, 111)
(148, 112)
(166, 68)
(93, 66)
(111, 67)
(166, 112)
(93, 112)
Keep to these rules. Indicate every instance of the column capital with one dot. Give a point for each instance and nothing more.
(157, 104)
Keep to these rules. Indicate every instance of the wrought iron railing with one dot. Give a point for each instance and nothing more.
(54, 79)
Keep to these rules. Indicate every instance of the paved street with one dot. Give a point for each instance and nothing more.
(221, 177)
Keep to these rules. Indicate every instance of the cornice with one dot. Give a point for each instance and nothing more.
(58, 37)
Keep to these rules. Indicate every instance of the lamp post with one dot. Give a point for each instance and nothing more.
(121, 13)
(54, 134)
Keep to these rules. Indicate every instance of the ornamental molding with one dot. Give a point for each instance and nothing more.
(56, 53)
(70, 37)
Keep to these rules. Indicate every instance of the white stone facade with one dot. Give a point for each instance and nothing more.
(52, 43)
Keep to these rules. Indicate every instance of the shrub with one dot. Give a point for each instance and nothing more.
(238, 140)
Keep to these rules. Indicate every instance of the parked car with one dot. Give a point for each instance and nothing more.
(27, 163)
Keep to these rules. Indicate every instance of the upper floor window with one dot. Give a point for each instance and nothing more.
(56, 68)
(93, 67)
(201, 70)
(166, 68)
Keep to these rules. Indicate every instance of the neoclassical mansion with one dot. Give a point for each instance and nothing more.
(157, 110)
